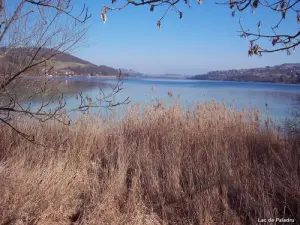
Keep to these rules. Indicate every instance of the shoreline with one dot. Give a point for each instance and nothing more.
(105, 77)
(66, 76)
(162, 78)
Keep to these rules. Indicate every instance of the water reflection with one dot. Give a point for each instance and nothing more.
(278, 97)
(30, 89)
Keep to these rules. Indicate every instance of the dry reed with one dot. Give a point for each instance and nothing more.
(206, 165)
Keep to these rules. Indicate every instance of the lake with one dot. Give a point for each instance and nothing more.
(278, 97)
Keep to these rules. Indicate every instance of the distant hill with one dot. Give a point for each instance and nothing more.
(62, 63)
(134, 74)
(131, 73)
(286, 73)
(175, 76)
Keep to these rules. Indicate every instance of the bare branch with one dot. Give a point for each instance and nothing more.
(65, 10)
(284, 7)
(30, 37)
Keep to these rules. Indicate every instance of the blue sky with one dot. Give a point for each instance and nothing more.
(205, 39)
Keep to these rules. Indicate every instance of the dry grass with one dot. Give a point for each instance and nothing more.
(210, 165)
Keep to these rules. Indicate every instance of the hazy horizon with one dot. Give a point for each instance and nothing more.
(206, 71)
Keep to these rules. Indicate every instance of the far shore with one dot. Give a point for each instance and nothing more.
(98, 76)
(67, 76)
(108, 76)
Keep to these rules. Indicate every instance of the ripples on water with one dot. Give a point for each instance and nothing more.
(277, 97)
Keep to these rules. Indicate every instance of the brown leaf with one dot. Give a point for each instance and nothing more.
(103, 17)
(255, 3)
(159, 24)
(231, 4)
(283, 14)
(282, 4)
(275, 40)
(259, 24)
(256, 49)
(180, 15)
(152, 8)
(250, 52)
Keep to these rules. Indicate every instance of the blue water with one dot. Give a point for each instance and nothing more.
(278, 97)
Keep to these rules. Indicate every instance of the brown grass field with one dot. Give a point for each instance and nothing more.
(210, 165)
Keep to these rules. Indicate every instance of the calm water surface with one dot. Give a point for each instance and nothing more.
(278, 97)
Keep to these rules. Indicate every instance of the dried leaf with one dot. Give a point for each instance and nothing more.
(113, 1)
(199, 1)
(159, 24)
(298, 18)
(256, 49)
(152, 8)
(231, 4)
(283, 14)
(180, 15)
(282, 4)
(259, 24)
(233, 13)
(103, 17)
(275, 40)
(250, 52)
(255, 3)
